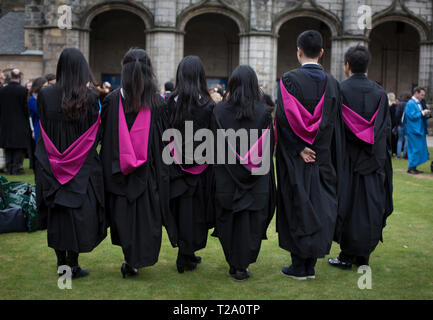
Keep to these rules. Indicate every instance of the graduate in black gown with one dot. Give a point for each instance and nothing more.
(136, 180)
(308, 158)
(244, 197)
(366, 197)
(69, 180)
(190, 183)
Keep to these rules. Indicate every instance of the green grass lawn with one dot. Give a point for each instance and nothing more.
(401, 266)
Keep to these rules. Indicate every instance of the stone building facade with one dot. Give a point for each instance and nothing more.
(225, 33)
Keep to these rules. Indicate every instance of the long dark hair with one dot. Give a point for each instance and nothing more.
(73, 77)
(191, 91)
(138, 81)
(37, 85)
(243, 91)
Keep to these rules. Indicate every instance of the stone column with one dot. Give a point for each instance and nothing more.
(353, 35)
(259, 50)
(164, 42)
(425, 77)
(339, 47)
(54, 41)
(165, 48)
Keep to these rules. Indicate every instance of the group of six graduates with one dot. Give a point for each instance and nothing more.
(332, 164)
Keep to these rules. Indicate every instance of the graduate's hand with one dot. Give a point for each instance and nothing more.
(308, 155)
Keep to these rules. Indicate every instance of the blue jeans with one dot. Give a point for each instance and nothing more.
(402, 142)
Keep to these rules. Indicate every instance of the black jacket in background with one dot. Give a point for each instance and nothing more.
(14, 117)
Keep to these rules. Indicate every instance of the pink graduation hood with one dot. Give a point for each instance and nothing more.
(66, 165)
(303, 124)
(193, 170)
(133, 144)
(362, 128)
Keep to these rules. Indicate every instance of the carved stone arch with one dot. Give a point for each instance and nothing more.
(135, 8)
(317, 13)
(217, 7)
(423, 30)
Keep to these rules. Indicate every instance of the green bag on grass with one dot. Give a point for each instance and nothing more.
(20, 195)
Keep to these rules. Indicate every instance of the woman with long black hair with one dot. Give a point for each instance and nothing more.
(244, 190)
(69, 180)
(190, 183)
(136, 180)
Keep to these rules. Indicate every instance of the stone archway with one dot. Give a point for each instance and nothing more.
(112, 34)
(395, 59)
(215, 39)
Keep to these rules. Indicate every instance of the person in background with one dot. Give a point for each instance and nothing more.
(28, 85)
(104, 90)
(2, 79)
(216, 97)
(51, 78)
(37, 85)
(266, 99)
(392, 108)
(219, 89)
(416, 127)
(15, 133)
(168, 89)
(400, 123)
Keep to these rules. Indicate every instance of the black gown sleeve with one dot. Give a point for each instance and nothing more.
(163, 174)
(389, 207)
(338, 146)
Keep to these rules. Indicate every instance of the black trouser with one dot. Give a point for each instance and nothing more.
(358, 260)
(14, 160)
(69, 258)
(303, 264)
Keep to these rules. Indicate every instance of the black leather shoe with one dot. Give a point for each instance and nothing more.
(184, 263)
(241, 275)
(195, 259)
(311, 274)
(413, 171)
(77, 272)
(232, 271)
(127, 270)
(310, 263)
(336, 262)
(290, 272)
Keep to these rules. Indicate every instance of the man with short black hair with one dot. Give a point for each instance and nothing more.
(416, 128)
(15, 133)
(308, 159)
(366, 198)
(51, 78)
(168, 89)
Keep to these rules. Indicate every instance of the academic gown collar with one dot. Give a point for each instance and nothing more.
(358, 76)
(315, 71)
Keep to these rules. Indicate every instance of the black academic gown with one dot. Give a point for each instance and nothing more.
(366, 198)
(137, 203)
(74, 212)
(191, 195)
(307, 192)
(245, 203)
